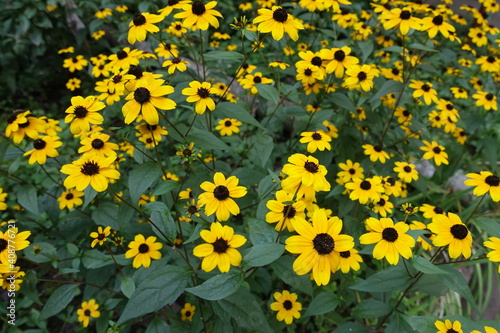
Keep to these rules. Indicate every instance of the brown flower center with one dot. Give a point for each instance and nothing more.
(90, 168)
(437, 20)
(257, 79)
(139, 19)
(143, 248)
(426, 87)
(316, 136)
(288, 305)
(203, 92)
(492, 180)
(316, 61)
(339, 55)
(69, 196)
(405, 15)
(436, 150)
(220, 245)
(459, 231)
(280, 15)
(345, 254)
(323, 243)
(142, 95)
(228, 123)
(198, 8)
(365, 185)
(39, 144)
(390, 234)
(97, 143)
(311, 167)
(80, 112)
(289, 211)
(221, 193)
(362, 76)
(121, 54)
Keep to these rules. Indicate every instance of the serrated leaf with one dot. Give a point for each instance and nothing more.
(27, 198)
(142, 177)
(269, 92)
(263, 254)
(162, 287)
(425, 266)
(371, 308)
(342, 100)
(388, 87)
(323, 303)
(127, 286)
(58, 301)
(223, 55)
(236, 111)
(219, 286)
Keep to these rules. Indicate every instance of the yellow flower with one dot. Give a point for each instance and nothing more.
(220, 248)
(493, 243)
(90, 170)
(401, 18)
(70, 198)
(100, 235)
(284, 210)
(391, 239)
(199, 92)
(287, 306)
(319, 245)
(486, 100)
(350, 171)
(278, 21)
(228, 126)
(435, 151)
(424, 90)
(360, 76)
(218, 195)
(12, 239)
(406, 171)
(143, 250)
(339, 60)
(316, 140)
(43, 147)
(450, 230)
(349, 259)
(484, 182)
(75, 63)
(141, 24)
(88, 310)
(83, 112)
(187, 312)
(376, 153)
(447, 326)
(197, 15)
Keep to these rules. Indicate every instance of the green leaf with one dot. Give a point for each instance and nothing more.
(206, 140)
(58, 301)
(418, 46)
(162, 287)
(223, 55)
(456, 282)
(244, 308)
(492, 227)
(236, 111)
(142, 177)
(351, 327)
(47, 253)
(261, 232)
(390, 279)
(28, 199)
(164, 224)
(165, 187)
(262, 148)
(158, 325)
(366, 48)
(389, 87)
(425, 266)
(323, 303)
(263, 254)
(127, 286)
(219, 286)
(341, 100)
(283, 269)
(89, 195)
(94, 259)
(371, 308)
(269, 92)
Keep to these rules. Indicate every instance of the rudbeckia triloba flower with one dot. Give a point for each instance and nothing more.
(74, 83)
(319, 245)
(143, 250)
(199, 93)
(450, 230)
(360, 76)
(349, 260)
(406, 171)
(90, 170)
(198, 15)
(436, 23)
(175, 64)
(287, 306)
(21, 125)
(284, 210)
(97, 144)
(447, 326)
(278, 21)
(401, 18)
(100, 235)
(376, 153)
(187, 312)
(338, 60)
(426, 243)
(383, 206)
(307, 171)
(3, 196)
(17, 280)
(434, 150)
(43, 147)
(75, 63)
(220, 248)
(459, 92)
(365, 190)
(123, 59)
(218, 196)
(83, 112)
(88, 309)
(430, 211)
(486, 100)
(423, 89)
(493, 243)
(12, 237)
(249, 81)
(148, 96)
(485, 182)
(228, 126)
(391, 239)
(487, 329)
(70, 198)
(350, 171)
(316, 140)
(141, 24)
